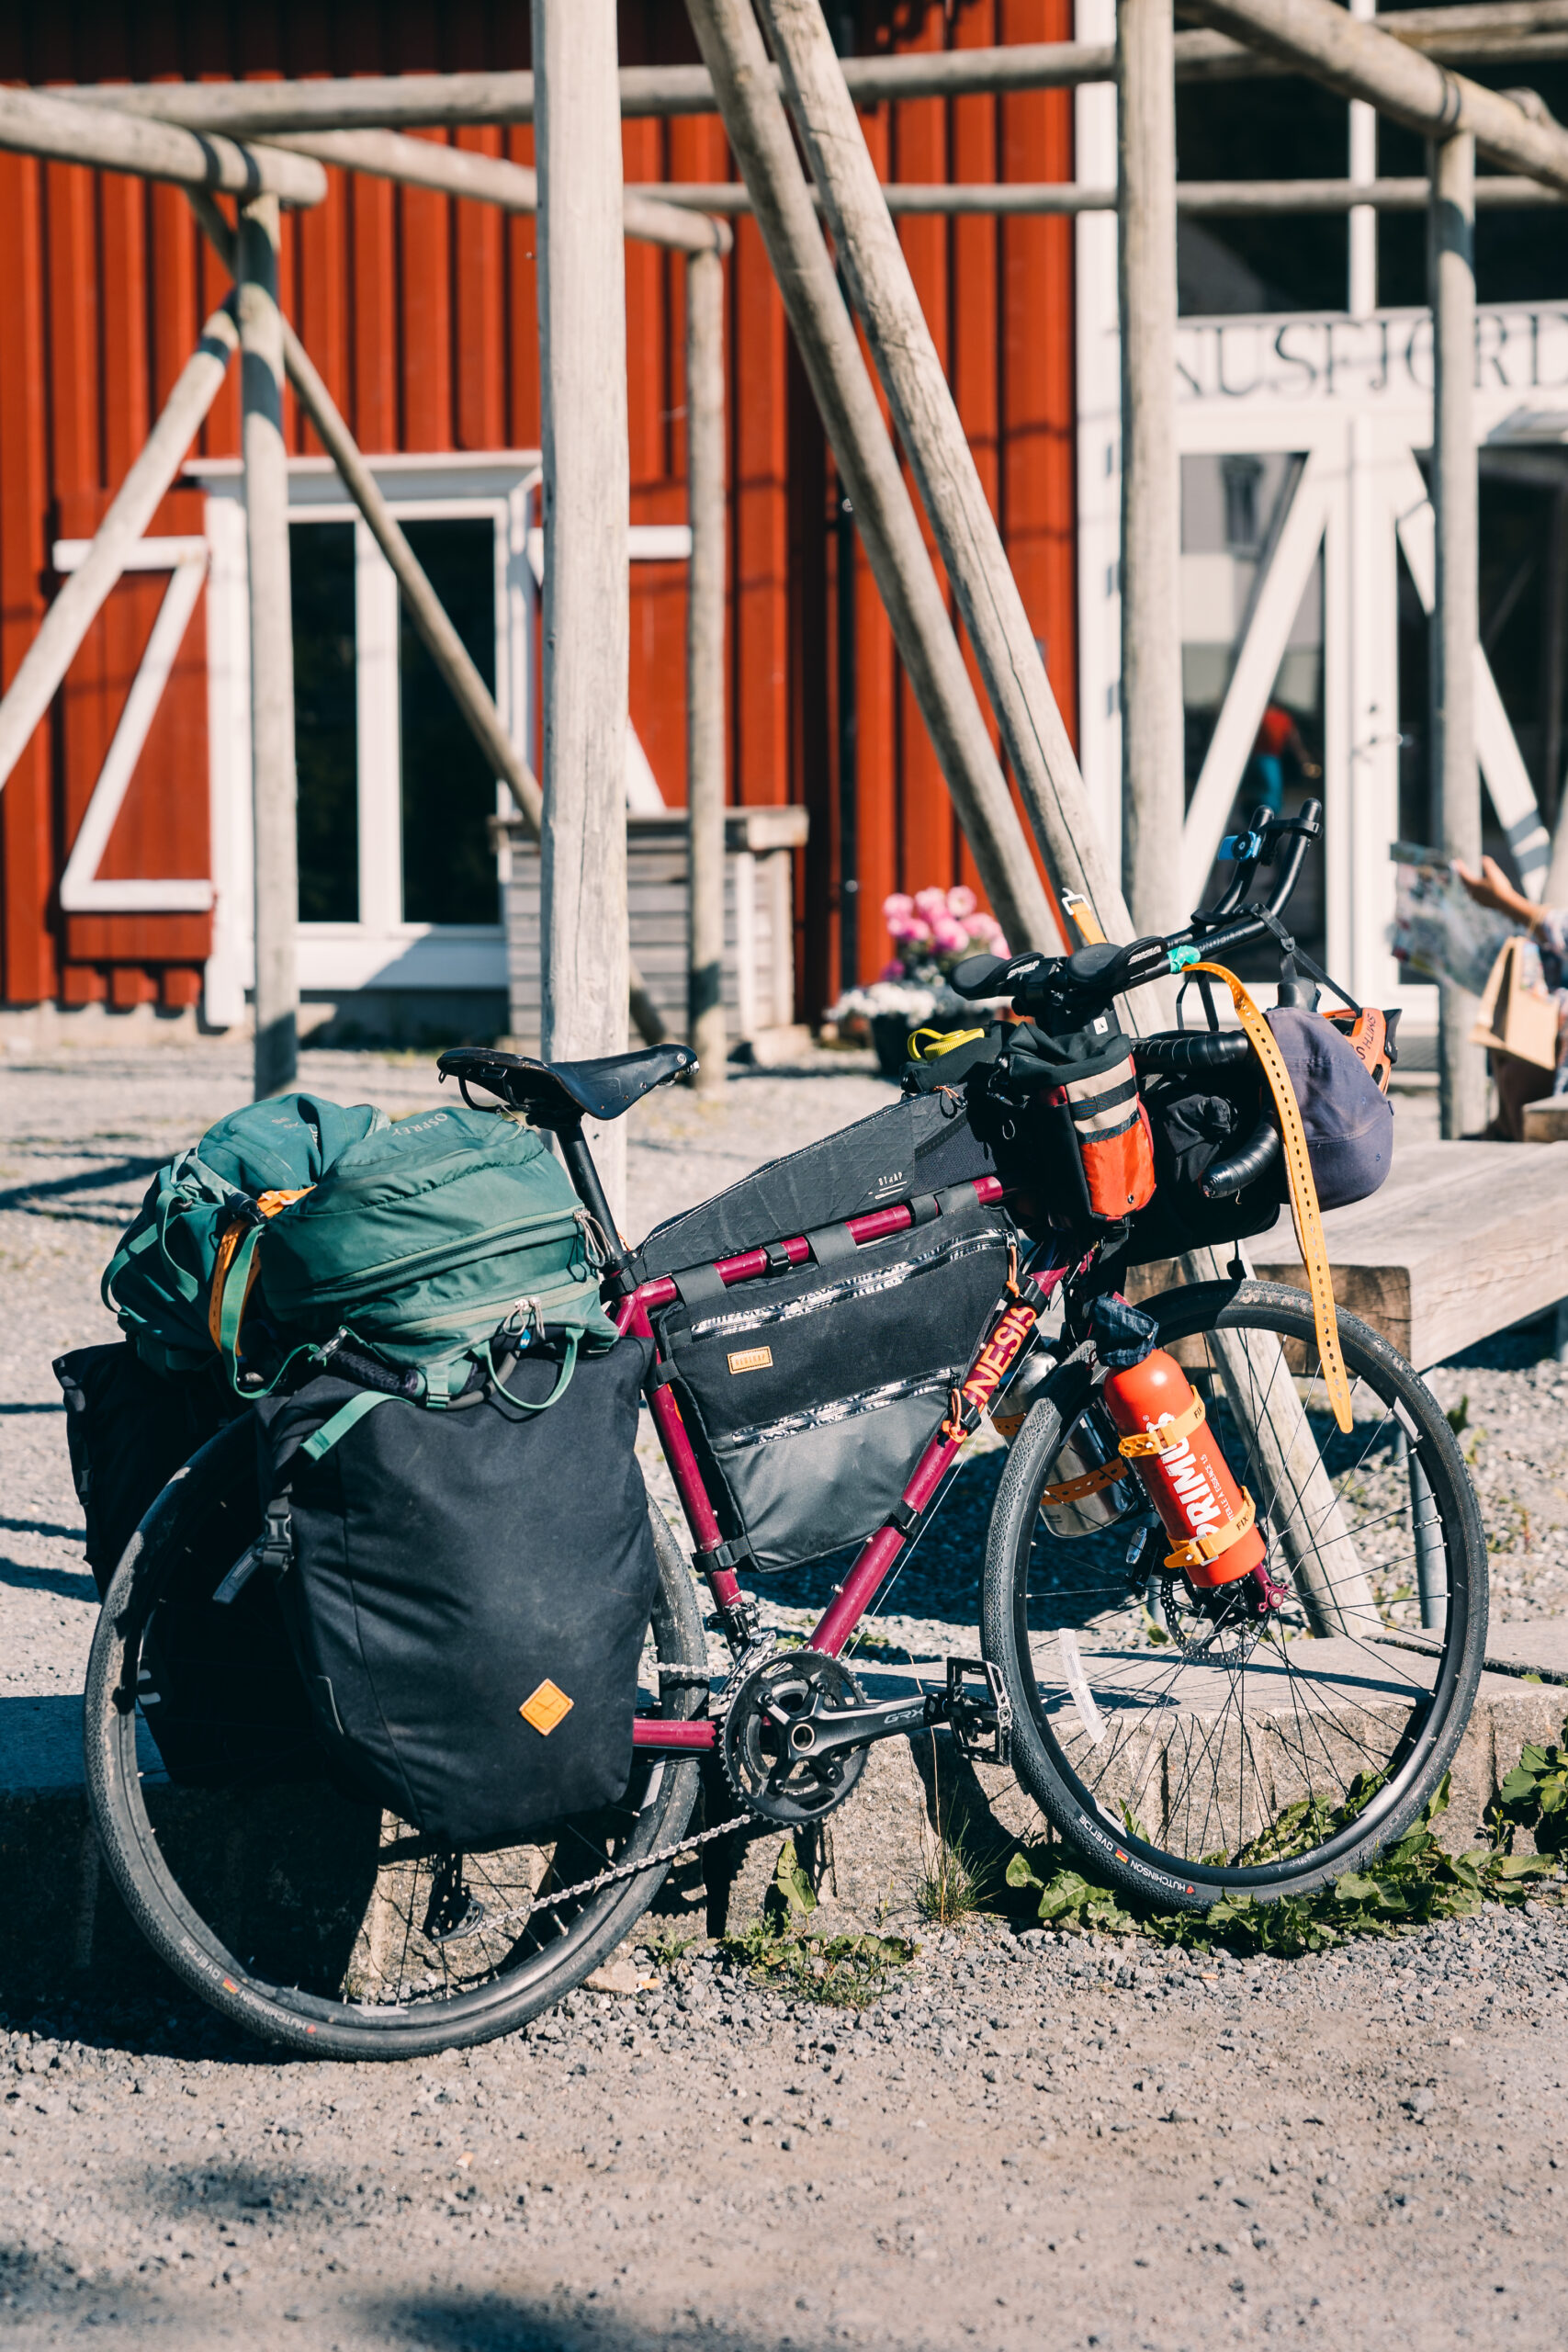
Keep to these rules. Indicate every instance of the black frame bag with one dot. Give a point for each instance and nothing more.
(470, 1589)
(809, 1394)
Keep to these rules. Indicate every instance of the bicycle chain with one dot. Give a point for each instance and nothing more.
(618, 1871)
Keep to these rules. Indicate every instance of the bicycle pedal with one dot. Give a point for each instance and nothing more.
(981, 1725)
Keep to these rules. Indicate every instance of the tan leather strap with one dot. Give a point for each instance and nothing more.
(1203, 1549)
(1170, 1433)
(1303, 1192)
(1073, 1490)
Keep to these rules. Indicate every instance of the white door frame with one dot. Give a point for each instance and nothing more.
(1352, 396)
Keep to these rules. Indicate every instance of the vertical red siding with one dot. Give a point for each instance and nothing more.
(421, 313)
(26, 816)
(920, 153)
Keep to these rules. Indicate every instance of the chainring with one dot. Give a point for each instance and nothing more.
(760, 1764)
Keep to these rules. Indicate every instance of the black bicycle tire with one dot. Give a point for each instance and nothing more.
(1137, 1867)
(303, 2023)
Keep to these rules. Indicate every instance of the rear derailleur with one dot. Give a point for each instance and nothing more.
(796, 1729)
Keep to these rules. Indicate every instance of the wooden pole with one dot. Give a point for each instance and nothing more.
(1456, 620)
(1554, 674)
(33, 122)
(80, 601)
(1520, 31)
(491, 179)
(1322, 40)
(1153, 799)
(1222, 199)
(758, 134)
(705, 666)
(929, 427)
(587, 495)
(272, 650)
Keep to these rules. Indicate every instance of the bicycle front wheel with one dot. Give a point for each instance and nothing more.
(323, 1924)
(1188, 1745)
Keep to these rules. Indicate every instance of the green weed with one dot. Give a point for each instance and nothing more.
(1415, 1882)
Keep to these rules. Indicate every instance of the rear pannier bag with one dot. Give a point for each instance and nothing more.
(1065, 1121)
(220, 1691)
(129, 1430)
(425, 1236)
(470, 1589)
(808, 1395)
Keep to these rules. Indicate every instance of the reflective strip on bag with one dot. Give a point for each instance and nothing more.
(1099, 1104)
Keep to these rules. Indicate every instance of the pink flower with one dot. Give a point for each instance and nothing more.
(960, 900)
(898, 903)
(1000, 947)
(984, 927)
(931, 903)
(951, 937)
(916, 931)
(892, 970)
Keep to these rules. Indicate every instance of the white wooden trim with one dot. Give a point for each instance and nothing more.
(81, 890)
(146, 555)
(1098, 370)
(1252, 680)
(1507, 777)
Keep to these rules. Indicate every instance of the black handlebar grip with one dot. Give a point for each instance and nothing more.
(1189, 1051)
(1257, 1156)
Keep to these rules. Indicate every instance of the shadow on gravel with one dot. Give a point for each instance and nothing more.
(518, 2324)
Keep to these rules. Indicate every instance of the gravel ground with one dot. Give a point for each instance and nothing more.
(1078, 2143)
(1365, 2148)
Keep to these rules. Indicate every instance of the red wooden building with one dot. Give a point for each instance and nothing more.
(420, 312)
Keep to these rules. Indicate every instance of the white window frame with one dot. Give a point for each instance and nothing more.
(381, 950)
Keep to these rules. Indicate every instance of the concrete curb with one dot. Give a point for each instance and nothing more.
(62, 1919)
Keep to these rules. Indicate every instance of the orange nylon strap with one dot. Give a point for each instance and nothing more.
(1170, 1433)
(229, 1241)
(1303, 1192)
(1073, 1490)
(1084, 917)
(1209, 1546)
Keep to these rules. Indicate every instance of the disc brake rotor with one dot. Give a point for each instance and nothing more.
(766, 1744)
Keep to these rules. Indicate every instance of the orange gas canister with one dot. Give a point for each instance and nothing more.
(1189, 1481)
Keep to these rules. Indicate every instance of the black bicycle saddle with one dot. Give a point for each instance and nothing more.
(563, 1092)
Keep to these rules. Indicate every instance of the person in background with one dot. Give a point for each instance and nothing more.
(1520, 1082)
(1279, 738)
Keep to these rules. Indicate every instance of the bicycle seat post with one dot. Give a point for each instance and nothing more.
(591, 1193)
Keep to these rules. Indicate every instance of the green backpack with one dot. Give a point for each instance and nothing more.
(420, 1240)
(159, 1281)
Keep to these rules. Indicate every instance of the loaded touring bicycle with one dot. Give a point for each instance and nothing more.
(404, 1636)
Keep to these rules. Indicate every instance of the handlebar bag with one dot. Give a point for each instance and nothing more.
(1064, 1116)
(808, 1395)
(1193, 1123)
(470, 1589)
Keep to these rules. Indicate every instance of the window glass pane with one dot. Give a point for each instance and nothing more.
(326, 730)
(448, 789)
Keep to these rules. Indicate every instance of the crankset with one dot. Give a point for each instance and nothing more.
(797, 1727)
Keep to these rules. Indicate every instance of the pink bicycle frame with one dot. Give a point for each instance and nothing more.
(1006, 1335)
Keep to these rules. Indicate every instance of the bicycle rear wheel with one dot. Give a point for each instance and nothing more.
(1189, 1746)
(316, 1921)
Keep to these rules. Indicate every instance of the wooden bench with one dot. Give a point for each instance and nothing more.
(1464, 1240)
